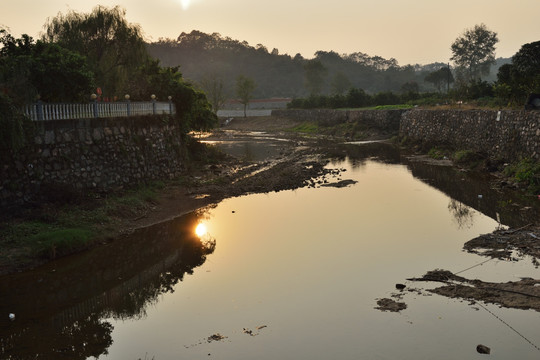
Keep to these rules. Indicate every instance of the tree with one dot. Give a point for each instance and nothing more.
(527, 64)
(358, 98)
(340, 83)
(517, 80)
(114, 47)
(315, 73)
(28, 69)
(474, 53)
(244, 90)
(441, 78)
(212, 84)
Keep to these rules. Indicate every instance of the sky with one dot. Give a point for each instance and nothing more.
(411, 31)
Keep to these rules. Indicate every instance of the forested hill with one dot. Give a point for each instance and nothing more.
(204, 56)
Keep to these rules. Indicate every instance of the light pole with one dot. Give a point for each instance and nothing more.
(153, 104)
(94, 97)
(128, 105)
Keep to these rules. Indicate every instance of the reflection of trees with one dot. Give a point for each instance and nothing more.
(462, 214)
(60, 315)
(465, 188)
(358, 154)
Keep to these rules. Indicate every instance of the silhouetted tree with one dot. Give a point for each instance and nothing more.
(474, 53)
(244, 90)
(213, 85)
(315, 73)
(29, 68)
(114, 47)
(340, 83)
(441, 78)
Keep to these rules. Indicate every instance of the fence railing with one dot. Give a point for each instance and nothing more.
(40, 111)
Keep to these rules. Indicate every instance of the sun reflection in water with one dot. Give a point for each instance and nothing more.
(201, 230)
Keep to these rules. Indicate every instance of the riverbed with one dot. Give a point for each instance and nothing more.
(293, 274)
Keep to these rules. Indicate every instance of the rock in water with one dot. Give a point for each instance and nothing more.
(482, 349)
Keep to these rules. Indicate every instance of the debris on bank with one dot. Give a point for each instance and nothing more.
(507, 244)
(523, 294)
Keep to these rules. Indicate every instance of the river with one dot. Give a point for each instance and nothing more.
(287, 275)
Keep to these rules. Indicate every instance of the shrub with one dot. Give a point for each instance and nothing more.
(526, 172)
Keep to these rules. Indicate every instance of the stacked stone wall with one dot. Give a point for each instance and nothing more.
(508, 135)
(385, 120)
(93, 154)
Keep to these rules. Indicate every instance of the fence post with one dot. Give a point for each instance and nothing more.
(39, 109)
(94, 105)
(153, 104)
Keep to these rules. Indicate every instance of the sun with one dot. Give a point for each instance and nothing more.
(185, 4)
(201, 230)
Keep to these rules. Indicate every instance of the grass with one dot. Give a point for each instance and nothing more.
(54, 231)
(51, 244)
(436, 153)
(68, 223)
(527, 173)
(306, 128)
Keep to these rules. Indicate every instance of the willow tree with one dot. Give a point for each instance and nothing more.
(113, 46)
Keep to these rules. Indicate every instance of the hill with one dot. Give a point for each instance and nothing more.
(202, 55)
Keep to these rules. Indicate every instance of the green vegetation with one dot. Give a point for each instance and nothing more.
(517, 80)
(80, 53)
(244, 90)
(55, 243)
(373, 80)
(283, 75)
(527, 173)
(473, 53)
(353, 99)
(30, 69)
(68, 225)
(15, 127)
(436, 153)
(307, 127)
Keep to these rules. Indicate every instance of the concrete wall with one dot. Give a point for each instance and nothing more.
(506, 135)
(91, 154)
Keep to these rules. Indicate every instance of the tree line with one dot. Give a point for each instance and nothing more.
(81, 52)
(473, 55)
(202, 56)
(216, 62)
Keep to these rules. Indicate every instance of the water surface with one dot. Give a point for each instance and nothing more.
(288, 275)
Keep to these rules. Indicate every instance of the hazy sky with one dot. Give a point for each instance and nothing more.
(411, 31)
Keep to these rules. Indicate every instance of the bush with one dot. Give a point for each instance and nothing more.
(526, 172)
(13, 125)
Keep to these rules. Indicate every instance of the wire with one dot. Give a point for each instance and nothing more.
(472, 267)
(509, 326)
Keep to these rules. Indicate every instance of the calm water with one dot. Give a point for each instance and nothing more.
(302, 270)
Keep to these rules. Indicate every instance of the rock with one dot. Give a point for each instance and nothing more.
(482, 349)
(400, 286)
(390, 305)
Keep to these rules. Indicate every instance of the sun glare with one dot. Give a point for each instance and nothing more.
(185, 4)
(200, 230)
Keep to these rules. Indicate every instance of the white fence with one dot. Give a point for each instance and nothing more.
(41, 111)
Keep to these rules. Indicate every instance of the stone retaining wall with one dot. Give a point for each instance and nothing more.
(508, 135)
(386, 120)
(90, 154)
